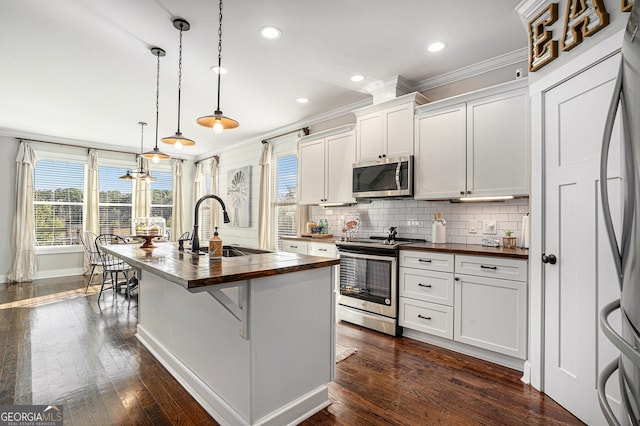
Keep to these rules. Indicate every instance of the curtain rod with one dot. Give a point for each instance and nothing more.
(302, 129)
(76, 146)
(217, 157)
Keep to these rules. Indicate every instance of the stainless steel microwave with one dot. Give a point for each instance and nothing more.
(388, 177)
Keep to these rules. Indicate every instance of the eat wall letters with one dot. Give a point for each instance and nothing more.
(582, 18)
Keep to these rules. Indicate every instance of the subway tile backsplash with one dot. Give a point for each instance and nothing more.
(414, 218)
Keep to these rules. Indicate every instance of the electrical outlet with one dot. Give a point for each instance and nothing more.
(490, 228)
(472, 227)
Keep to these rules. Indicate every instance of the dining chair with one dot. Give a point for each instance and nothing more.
(88, 239)
(112, 266)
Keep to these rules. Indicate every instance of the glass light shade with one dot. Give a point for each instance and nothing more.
(178, 138)
(210, 121)
(156, 155)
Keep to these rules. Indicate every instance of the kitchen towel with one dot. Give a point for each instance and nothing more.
(524, 238)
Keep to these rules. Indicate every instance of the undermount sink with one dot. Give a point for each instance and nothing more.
(234, 251)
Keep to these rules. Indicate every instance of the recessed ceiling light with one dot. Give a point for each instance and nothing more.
(302, 100)
(436, 47)
(270, 33)
(214, 68)
(357, 77)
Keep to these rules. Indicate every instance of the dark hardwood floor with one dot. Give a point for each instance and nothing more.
(58, 346)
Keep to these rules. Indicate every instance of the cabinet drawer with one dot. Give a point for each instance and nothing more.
(294, 246)
(426, 317)
(492, 267)
(322, 249)
(429, 260)
(428, 286)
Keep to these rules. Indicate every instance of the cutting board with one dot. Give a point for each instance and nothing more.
(318, 235)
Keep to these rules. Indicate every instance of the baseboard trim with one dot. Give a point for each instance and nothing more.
(496, 358)
(55, 273)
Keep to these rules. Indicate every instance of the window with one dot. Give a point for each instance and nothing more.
(205, 230)
(58, 202)
(114, 202)
(162, 197)
(285, 197)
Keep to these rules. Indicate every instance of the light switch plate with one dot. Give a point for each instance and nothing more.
(474, 226)
(490, 228)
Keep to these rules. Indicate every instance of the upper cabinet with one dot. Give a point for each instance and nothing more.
(474, 145)
(326, 163)
(385, 130)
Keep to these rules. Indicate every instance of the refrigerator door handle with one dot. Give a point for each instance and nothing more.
(604, 191)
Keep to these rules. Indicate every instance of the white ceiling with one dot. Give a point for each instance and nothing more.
(82, 69)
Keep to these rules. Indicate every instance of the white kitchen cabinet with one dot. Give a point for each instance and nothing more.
(491, 312)
(385, 130)
(326, 164)
(474, 144)
(295, 246)
(426, 317)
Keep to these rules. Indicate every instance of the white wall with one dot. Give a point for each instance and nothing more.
(7, 195)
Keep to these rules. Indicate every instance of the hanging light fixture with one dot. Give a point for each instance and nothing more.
(177, 140)
(155, 154)
(140, 172)
(218, 121)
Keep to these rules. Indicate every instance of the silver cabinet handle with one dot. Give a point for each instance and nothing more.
(424, 285)
(423, 317)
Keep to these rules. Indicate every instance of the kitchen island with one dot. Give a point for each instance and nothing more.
(250, 337)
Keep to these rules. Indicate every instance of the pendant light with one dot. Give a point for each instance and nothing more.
(177, 140)
(156, 155)
(218, 121)
(140, 172)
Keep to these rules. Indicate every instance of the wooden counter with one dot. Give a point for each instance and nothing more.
(192, 271)
(471, 249)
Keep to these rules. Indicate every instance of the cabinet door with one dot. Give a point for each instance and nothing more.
(498, 144)
(369, 135)
(491, 314)
(440, 162)
(426, 317)
(340, 156)
(294, 246)
(311, 158)
(398, 131)
(322, 249)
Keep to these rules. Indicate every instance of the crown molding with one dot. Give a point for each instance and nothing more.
(501, 61)
(527, 9)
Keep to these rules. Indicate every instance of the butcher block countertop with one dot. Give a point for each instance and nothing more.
(193, 271)
(470, 249)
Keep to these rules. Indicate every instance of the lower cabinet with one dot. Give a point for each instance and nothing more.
(485, 306)
(313, 248)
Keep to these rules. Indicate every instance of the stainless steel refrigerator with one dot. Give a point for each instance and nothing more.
(626, 252)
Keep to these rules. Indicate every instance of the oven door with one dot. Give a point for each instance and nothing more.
(369, 282)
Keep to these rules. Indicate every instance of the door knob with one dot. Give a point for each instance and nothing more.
(551, 258)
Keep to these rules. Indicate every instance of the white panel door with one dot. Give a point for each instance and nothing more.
(311, 159)
(440, 162)
(398, 128)
(340, 156)
(583, 279)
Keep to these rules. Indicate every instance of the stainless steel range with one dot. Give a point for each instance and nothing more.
(369, 282)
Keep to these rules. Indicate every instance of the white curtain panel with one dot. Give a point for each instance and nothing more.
(264, 203)
(177, 212)
(142, 200)
(92, 213)
(214, 190)
(23, 238)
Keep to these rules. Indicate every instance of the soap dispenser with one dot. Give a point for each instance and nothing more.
(215, 244)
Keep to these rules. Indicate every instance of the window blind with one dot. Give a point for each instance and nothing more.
(58, 202)
(115, 201)
(162, 197)
(285, 197)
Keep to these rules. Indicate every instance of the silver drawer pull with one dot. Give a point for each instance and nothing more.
(424, 285)
(293, 246)
(489, 267)
(322, 249)
(423, 317)
(424, 260)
